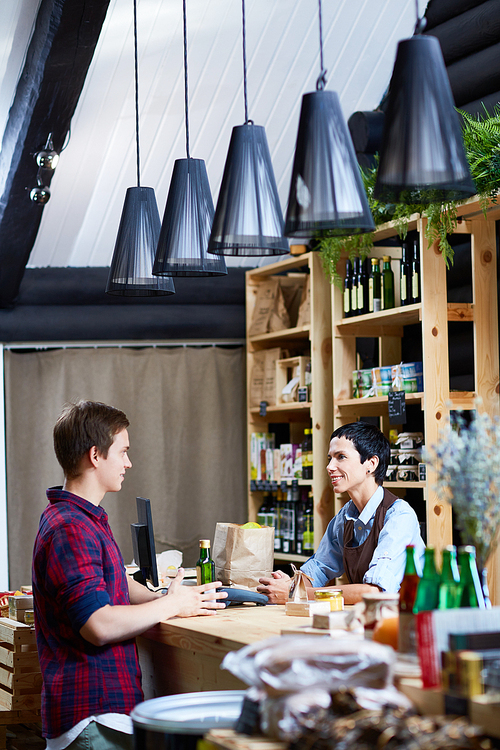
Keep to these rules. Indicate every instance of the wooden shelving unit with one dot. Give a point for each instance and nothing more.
(433, 313)
(314, 340)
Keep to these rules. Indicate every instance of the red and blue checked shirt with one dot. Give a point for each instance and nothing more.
(77, 569)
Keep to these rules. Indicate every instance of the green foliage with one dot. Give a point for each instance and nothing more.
(481, 137)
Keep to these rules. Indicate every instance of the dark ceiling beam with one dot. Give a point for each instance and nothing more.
(60, 52)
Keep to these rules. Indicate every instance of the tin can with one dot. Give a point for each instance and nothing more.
(334, 596)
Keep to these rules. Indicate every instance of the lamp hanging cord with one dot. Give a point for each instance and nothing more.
(321, 82)
(186, 106)
(136, 95)
(421, 22)
(244, 62)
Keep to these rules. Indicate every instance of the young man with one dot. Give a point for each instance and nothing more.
(367, 538)
(87, 610)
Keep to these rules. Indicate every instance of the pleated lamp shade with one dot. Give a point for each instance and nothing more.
(326, 190)
(131, 269)
(248, 218)
(422, 147)
(187, 221)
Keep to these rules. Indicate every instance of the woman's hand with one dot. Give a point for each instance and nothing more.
(275, 588)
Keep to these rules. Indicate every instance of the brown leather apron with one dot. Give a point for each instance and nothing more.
(357, 559)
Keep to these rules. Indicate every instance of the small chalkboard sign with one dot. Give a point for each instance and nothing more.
(397, 407)
(263, 409)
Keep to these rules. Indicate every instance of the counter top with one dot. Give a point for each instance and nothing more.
(229, 629)
(184, 654)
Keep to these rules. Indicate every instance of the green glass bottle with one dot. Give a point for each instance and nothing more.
(354, 287)
(415, 273)
(308, 537)
(387, 284)
(428, 587)
(470, 583)
(374, 287)
(348, 289)
(449, 586)
(205, 567)
(405, 273)
(263, 510)
(307, 454)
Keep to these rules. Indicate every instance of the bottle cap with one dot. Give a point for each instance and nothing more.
(467, 549)
(204, 543)
(374, 261)
(386, 258)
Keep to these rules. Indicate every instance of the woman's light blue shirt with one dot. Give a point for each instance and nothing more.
(387, 565)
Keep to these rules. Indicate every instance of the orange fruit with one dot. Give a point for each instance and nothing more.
(386, 631)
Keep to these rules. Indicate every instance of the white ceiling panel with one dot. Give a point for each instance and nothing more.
(80, 222)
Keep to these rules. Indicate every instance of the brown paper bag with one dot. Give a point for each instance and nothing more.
(279, 318)
(242, 556)
(256, 385)
(298, 587)
(304, 317)
(298, 604)
(269, 390)
(264, 306)
(292, 286)
(262, 386)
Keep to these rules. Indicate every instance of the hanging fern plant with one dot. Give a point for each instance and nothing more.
(481, 136)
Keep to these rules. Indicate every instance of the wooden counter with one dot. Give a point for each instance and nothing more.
(184, 654)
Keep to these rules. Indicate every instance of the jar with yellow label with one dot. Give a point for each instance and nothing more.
(334, 596)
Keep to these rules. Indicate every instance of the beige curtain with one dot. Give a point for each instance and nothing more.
(187, 437)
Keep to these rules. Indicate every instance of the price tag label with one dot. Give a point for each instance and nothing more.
(263, 409)
(397, 407)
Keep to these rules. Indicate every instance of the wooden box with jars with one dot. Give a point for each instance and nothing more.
(289, 401)
(420, 309)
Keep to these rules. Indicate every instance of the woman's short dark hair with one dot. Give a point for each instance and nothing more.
(369, 441)
(82, 425)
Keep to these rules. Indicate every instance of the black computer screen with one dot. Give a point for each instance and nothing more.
(143, 542)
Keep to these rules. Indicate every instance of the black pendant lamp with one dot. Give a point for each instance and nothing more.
(422, 158)
(189, 212)
(248, 219)
(130, 274)
(326, 190)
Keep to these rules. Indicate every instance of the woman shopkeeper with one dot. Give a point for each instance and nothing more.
(367, 539)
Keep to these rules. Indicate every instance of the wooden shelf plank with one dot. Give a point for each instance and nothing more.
(385, 322)
(301, 332)
(281, 411)
(371, 407)
(287, 264)
(402, 485)
(286, 557)
(462, 400)
(460, 311)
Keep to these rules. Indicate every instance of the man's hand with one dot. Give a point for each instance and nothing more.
(111, 624)
(195, 600)
(276, 588)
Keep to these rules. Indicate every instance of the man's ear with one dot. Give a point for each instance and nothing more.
(94, 456)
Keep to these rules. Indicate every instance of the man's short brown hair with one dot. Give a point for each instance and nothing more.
(82, 425)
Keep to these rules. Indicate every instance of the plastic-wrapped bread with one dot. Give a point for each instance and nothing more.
(288, 664)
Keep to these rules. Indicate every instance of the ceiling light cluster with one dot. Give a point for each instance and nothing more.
(422, 156)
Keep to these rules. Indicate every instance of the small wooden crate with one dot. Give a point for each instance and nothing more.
(20, 676)
(286, 369)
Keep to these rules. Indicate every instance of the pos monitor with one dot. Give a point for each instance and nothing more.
(143, 543)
